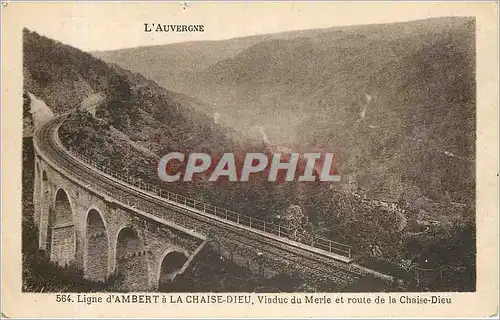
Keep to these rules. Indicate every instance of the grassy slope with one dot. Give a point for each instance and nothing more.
(170, 65)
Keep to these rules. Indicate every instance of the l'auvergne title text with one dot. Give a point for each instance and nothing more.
(158, 27)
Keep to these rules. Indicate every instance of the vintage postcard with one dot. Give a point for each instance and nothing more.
(249, 159)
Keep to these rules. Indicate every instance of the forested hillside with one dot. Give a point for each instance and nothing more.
(395, 102)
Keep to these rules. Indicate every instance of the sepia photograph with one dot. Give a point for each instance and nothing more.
(317, 156)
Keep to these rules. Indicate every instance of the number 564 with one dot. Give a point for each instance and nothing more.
(63, 298)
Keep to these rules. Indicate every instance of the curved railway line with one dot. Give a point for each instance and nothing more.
(49, 147)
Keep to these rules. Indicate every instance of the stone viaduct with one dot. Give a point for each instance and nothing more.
(106, 224)
(101, 237)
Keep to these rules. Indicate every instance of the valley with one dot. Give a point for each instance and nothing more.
(394, 103)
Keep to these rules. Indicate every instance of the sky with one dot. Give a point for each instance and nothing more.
(93, 26)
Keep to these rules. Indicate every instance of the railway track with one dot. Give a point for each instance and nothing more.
(49, 147)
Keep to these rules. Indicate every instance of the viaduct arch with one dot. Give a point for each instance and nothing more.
(96, 247)
(131, 259)
(61, 238)
(170, 264)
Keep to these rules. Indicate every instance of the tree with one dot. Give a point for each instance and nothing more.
(119, 104)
